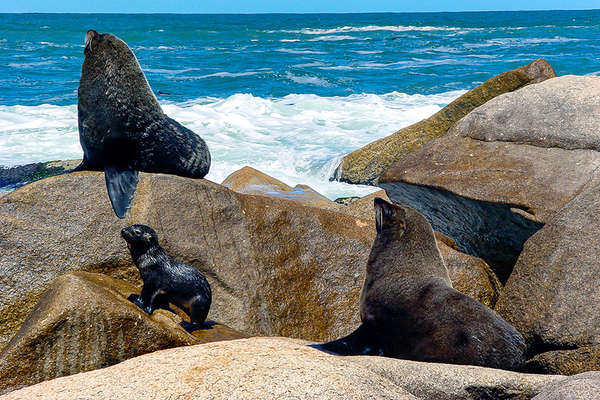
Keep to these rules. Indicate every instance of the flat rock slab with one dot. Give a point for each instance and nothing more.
(278, 368)
(434, 381)
(259, 368)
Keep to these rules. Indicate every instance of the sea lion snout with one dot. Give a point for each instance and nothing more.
(89, 37)
(140, 235)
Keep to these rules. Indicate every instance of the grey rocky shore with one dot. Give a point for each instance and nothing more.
(507, 175)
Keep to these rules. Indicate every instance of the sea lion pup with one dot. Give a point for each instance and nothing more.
(122, 128)
(409, 309)
(166, 279)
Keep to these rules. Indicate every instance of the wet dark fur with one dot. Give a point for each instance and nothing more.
(122, 126)
(166, 279)
(409, 309)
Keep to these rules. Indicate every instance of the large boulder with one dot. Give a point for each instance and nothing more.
(259, 368)
(471, 275)
(277, 368)
(276, 267)
(565, 362)
(505, 169)
(84, 321)
(257, 252)
(579, 387)
(553, 296)
(366, 164)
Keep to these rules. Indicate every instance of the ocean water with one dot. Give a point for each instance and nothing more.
(286, 94)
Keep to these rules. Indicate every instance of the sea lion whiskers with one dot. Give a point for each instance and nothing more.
(89, 37)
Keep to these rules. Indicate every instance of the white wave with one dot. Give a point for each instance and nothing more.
(223, 74)
(289, 40)
(308, 80)
(296, 138)
(299, 51)
(169, 71)
(312, 64)
(338, 68)
(157, 47)
(51, 44)
(521, 42)
(366, 51)
(38, 133)
(526, 41)
(372, 28)
(31, 64)
(335, 38)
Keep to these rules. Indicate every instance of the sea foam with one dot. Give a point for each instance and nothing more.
(299, 138)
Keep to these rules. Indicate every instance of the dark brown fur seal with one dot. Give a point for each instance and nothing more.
(166, 280)
(122, 128)
(409, 309)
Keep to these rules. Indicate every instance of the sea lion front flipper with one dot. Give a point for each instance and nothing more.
(120, 183)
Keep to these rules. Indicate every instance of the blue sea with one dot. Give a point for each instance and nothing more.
(288, 94)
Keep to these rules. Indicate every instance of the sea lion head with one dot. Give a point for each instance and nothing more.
(390, 219)
(113, 89)
(103, 45)
(139, 236)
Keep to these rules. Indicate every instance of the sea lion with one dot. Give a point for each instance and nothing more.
(409, 309)
(166, 279)
(122, 128)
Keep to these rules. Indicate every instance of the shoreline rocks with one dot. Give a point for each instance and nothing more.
(20, 175)
(279, 368)
(366, 164)
(85, 321)
(553, 294)
(257, 252)
(500, 173)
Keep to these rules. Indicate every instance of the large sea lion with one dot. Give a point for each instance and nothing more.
(166, 280)
(122, 128)
(409, 309)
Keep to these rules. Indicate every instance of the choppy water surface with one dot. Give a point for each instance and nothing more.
(286, 94)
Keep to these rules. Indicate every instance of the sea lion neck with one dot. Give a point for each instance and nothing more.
(138, 252)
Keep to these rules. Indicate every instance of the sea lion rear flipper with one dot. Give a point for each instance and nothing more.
(362, 341)
(83, 166)
(120, 183)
